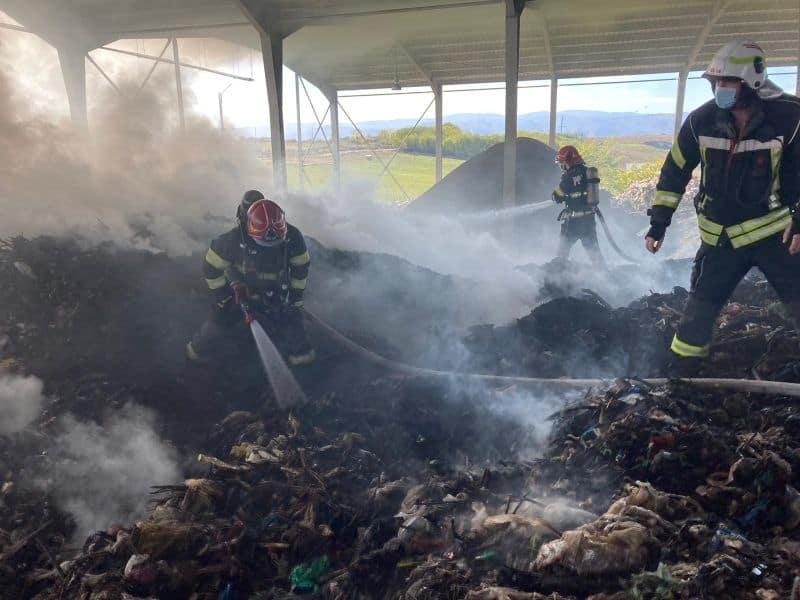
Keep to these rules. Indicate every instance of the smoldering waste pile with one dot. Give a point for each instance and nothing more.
(389, 487)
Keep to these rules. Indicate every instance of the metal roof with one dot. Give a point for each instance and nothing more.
(359, 44)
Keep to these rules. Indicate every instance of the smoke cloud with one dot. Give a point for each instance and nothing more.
(101, 473)
(21, 402)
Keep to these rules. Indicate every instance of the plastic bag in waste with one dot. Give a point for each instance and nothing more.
(305, 577)
(604, 547)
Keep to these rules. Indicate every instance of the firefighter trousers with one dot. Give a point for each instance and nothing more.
(585, 230)
(225, 331)
(715, 274)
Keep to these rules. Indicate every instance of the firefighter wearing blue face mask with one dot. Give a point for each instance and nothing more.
(746, 141)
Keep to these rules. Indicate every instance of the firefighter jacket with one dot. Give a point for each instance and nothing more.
(749, 179)
(573, 191)
(278, 272)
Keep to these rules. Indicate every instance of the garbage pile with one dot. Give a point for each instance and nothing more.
(641, 493)
(683, 233)
(386, 486)
(583, 336)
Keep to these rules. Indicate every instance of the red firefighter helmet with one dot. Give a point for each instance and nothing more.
(569, 155)
(266, 223)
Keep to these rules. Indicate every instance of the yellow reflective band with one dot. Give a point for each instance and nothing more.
(685, 350)
(668, 199)
(302, 359)
(709, 238)
(759, 234)
(677, 155)
(300, 259)
(268, 276)
(215, 260)
(298, 304)
(709, 225)
(704, 161)
(747, 60)
(217, 282)
(191, 353)
(775, 160)
(753, 224)
(299, 284)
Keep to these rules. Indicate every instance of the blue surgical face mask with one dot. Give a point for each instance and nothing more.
(725, 97)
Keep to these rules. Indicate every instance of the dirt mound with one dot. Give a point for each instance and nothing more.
(477, 184)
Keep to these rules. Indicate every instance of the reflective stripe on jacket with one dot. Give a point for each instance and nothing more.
(749, 179)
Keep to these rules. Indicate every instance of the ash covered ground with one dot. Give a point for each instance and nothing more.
(128, 474)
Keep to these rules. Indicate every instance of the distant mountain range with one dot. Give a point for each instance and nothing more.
(589, 123)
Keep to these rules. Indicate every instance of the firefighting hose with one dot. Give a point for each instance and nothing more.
(779, 388)
(610, 238)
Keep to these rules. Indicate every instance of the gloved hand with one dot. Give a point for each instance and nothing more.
(656, 231)
(791, 235)
(240, 291)
(558, 199)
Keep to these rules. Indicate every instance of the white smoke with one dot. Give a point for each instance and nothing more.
(101, 473)
(21, 402)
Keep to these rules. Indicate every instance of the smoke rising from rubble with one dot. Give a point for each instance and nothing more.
(142, 183)
(101, 473)
(20, 402)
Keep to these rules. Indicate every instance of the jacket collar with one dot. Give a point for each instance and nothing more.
(724, 123)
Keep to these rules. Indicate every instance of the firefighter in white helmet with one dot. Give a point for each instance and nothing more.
(746, 141)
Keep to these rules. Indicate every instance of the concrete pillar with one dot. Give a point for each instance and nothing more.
(333, 99)
(73, 69)
(682, 77)
(551, 138)
(513, 12)
(437, 96)
(178, 83)
(272, 51)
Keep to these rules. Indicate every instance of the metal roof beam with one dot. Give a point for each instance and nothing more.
(716, 12)
(548, 48)
(425, 72)
(332, 16)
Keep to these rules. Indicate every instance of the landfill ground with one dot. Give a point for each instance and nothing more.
(390, 486)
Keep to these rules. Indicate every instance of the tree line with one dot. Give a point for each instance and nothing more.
(601, 153)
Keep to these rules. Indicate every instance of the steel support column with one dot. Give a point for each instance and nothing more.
(513, 12)
(682, 77)
(73, 69)
(333, 100)
(551, 138)
(437, 96)
(178, 83)
(299, 132)
(272, 51)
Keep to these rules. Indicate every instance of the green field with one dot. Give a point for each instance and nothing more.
(414, 172)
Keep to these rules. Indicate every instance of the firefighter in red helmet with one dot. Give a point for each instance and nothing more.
(264, 262)
(578, 217)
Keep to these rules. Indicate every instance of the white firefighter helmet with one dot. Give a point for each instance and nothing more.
(745, 60)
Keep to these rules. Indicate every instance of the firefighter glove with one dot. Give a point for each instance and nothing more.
(795, 230)
(656, 231)
(241, 292)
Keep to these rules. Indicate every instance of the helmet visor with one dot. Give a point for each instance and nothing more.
(270, 238)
